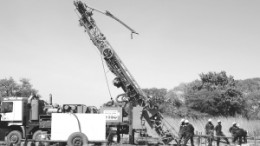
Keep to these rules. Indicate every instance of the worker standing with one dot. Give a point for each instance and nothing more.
(219, 133)
(182, 130)
(209, 128)
(188, 133)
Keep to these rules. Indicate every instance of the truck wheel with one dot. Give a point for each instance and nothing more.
(38, 135)
(77, 139)
(14, 138)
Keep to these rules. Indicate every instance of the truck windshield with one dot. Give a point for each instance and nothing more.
(7, 107)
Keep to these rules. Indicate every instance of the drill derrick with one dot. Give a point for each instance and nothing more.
(133, 93)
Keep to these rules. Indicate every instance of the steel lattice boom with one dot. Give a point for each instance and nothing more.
(124, 79)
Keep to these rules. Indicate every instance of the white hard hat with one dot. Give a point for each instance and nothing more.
(234, 123)
(182, 120)
(186, 121)
(209, 120)
(237, 125)
(219, 121)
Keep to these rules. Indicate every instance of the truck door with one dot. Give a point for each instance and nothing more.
(11, 111)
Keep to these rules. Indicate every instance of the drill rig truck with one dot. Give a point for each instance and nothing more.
(34, 120)
(122, 116)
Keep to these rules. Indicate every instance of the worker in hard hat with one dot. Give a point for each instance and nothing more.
(158, 125)
(209, 130)
(219, 133)
(234, 130)
(188, 133)
(181, 130)
(238, 133)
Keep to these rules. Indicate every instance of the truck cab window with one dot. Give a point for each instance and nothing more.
(7, 107)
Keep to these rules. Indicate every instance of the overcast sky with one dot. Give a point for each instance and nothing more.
(179, 39)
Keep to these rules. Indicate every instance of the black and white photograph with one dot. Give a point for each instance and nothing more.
(129, 72)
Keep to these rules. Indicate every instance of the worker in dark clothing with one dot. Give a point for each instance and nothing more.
(235, 132)
(242, 133)
(158, 126)
(219, 133)
(239, 134)
(181, 130)
(233, 128)
(209, 128)
(188, 133)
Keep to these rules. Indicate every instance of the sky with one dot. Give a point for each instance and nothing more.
(178, 39)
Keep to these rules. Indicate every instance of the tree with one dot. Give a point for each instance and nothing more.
(215, 94)
(25, 88)
(249, 85)
(251, 92)
(157, 95)
(9, 87)
(204, 101)
(253, 105)
(212, 80)
(173, 99)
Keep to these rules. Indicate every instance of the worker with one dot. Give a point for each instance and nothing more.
(188, 133)
(234, 130)
(181, 130)
(157, 124)
(242, 133)
(219, 133)
(209, 128)
(239, 134)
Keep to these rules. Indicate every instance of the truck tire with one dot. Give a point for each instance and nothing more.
(37, 135)
(13, 138)
(77, 139)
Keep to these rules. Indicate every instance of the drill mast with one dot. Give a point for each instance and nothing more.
(124, 79)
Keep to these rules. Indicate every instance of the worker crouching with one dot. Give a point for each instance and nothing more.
(188, 133)
(238, 134)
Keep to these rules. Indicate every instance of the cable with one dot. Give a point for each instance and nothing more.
(104, 73)
(105, 76)
(75, 10)
(77, 121)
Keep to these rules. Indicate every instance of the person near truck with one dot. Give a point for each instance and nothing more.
(219, 133)
(209, 128)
